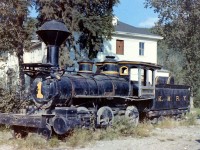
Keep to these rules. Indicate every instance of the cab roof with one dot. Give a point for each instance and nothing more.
(139, 64)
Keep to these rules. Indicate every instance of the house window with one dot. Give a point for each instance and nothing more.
(141, 49)
(120, 47)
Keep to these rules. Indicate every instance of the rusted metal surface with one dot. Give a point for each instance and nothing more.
(35, 121)
(169, 112)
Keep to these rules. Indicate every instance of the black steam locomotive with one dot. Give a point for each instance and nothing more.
(64, 100)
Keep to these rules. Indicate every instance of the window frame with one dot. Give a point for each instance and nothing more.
(141, 48)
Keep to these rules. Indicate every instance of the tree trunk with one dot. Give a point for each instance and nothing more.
(20, 53)
(21, 72)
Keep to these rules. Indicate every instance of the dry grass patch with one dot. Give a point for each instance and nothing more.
(80, 137)
(189, 120)
(195, 111)
(121, 128)
(143, 130)
(54, 142)
(167, 123)
(31, 143)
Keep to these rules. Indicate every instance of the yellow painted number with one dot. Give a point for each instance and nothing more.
(39, 90)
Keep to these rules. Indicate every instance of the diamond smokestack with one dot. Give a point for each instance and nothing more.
(53, 33)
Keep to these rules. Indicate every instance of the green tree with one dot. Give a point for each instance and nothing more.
(171, 60)
(91, 19)
(15, 29)
(179, 25)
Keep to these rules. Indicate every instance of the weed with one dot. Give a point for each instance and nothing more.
(4, 128)
(167, 123)
(54, 142)
(190, 119)
(143, 130)
(80, 137)
(106, 134)
(121, 128)
(32, 142)
(196, 111)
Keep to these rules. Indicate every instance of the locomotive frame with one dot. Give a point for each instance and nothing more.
(66, 100)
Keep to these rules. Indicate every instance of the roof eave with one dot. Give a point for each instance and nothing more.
(36, 43)
(156, 37)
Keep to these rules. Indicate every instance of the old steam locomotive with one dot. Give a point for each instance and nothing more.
(66, 100)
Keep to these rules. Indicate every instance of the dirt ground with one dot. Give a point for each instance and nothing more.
(178, 138)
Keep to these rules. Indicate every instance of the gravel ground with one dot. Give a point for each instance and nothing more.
(179, 138)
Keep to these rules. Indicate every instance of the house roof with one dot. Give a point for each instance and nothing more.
(126, 28)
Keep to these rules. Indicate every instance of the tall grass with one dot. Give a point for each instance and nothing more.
(196, 111)
(167, 123)
(189, 120)
(121, 127)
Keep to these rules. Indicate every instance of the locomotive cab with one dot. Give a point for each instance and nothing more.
(141, 78)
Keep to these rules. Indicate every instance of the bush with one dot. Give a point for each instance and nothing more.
(10, 99)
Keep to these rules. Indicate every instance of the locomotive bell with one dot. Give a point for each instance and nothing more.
(53, 33)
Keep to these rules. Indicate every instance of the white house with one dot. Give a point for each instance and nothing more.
(131, 43)
(37, 54)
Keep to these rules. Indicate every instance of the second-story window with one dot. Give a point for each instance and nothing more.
(120, 47)
(141, 48)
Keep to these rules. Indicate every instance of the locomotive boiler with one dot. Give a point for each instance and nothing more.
(64, 100)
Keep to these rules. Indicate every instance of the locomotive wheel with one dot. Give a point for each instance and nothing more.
(132, 114)
(46, 132)
(19, 133)
(84, 116)
(60, 125)
(82, 110)
(104, 116)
